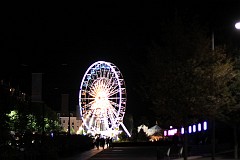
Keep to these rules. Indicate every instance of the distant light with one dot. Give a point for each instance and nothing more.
(194, 128)
(204, 125)
(170, 127)
(165, 133)
(172, 132)
(24, 65)
(182, 130)
(190, 129)
(199, 127)
(237, 25)
(51, 134)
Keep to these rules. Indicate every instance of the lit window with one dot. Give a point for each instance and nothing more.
(172, 132)
(165, 133)
(199, 127)
(190, 129)
(194, 128)
(182, 130)
(205, 126)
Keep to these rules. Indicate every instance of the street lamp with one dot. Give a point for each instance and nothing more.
(237, 25)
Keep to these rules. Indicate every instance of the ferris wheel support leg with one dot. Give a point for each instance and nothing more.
(125, 129)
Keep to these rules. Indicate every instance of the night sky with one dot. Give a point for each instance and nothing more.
(63, 41)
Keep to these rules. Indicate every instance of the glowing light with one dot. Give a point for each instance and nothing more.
(237, 25)
(182, 130)
(194, 128)
(102, 99)
(171, 132)
(51, 134)
(204, 125)
(199, 127)
(189, 129)
(165, 133)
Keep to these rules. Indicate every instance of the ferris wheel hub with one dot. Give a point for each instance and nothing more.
(102, 98)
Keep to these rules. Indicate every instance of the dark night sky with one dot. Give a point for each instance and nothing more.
(63, 41)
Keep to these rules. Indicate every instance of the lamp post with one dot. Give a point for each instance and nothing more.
(213, 45)
(237, 26)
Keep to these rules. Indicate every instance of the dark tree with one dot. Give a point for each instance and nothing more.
(142, 136)
(184, 79)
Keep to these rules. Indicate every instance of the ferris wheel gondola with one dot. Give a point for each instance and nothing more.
(102, 99)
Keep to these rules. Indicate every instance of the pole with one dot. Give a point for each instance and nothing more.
(213, 138)
(213, 118)
(43, 123)
(213, 45)
(69, 119)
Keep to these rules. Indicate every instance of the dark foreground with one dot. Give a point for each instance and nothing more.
(128, 153)
(139, 153)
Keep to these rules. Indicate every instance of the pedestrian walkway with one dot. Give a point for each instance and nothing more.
(90, 153)
(219, 156)
(205, 158)
(85, 155)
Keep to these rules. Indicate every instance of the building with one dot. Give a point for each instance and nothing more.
(75, 123)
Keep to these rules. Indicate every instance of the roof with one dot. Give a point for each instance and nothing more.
(154, 129)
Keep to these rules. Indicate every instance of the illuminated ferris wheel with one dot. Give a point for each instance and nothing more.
(102, 99)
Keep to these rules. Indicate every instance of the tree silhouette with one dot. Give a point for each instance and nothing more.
(184, 80)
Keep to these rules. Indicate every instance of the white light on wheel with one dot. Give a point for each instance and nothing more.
(102, 98)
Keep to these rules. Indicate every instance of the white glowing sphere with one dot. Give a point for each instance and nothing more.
(237, 25)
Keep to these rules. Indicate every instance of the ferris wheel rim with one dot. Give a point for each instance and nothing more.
(114, 69)
(111, 66)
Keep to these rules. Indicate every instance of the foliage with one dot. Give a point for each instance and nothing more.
(52, 125)
(13, 120)
(219, 74)
(134, 135)
(29, 118)
(142, 136)
(123, 137)
(32, 123)
(231, 115)
(128, 120)
(184, 78)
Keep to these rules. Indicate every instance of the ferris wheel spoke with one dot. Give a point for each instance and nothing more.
(92, 91)
(114, 98)
(114, 105)
(102, 98)
(90, 122)
(88, 98)
(113, 108)
(109, 83)
(92, 94)
(88, 105)
(114, 92)
(113, 84)
(106, 122)
(112, 115)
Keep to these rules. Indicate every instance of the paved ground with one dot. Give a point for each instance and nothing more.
(134, 153)
(85, 155)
